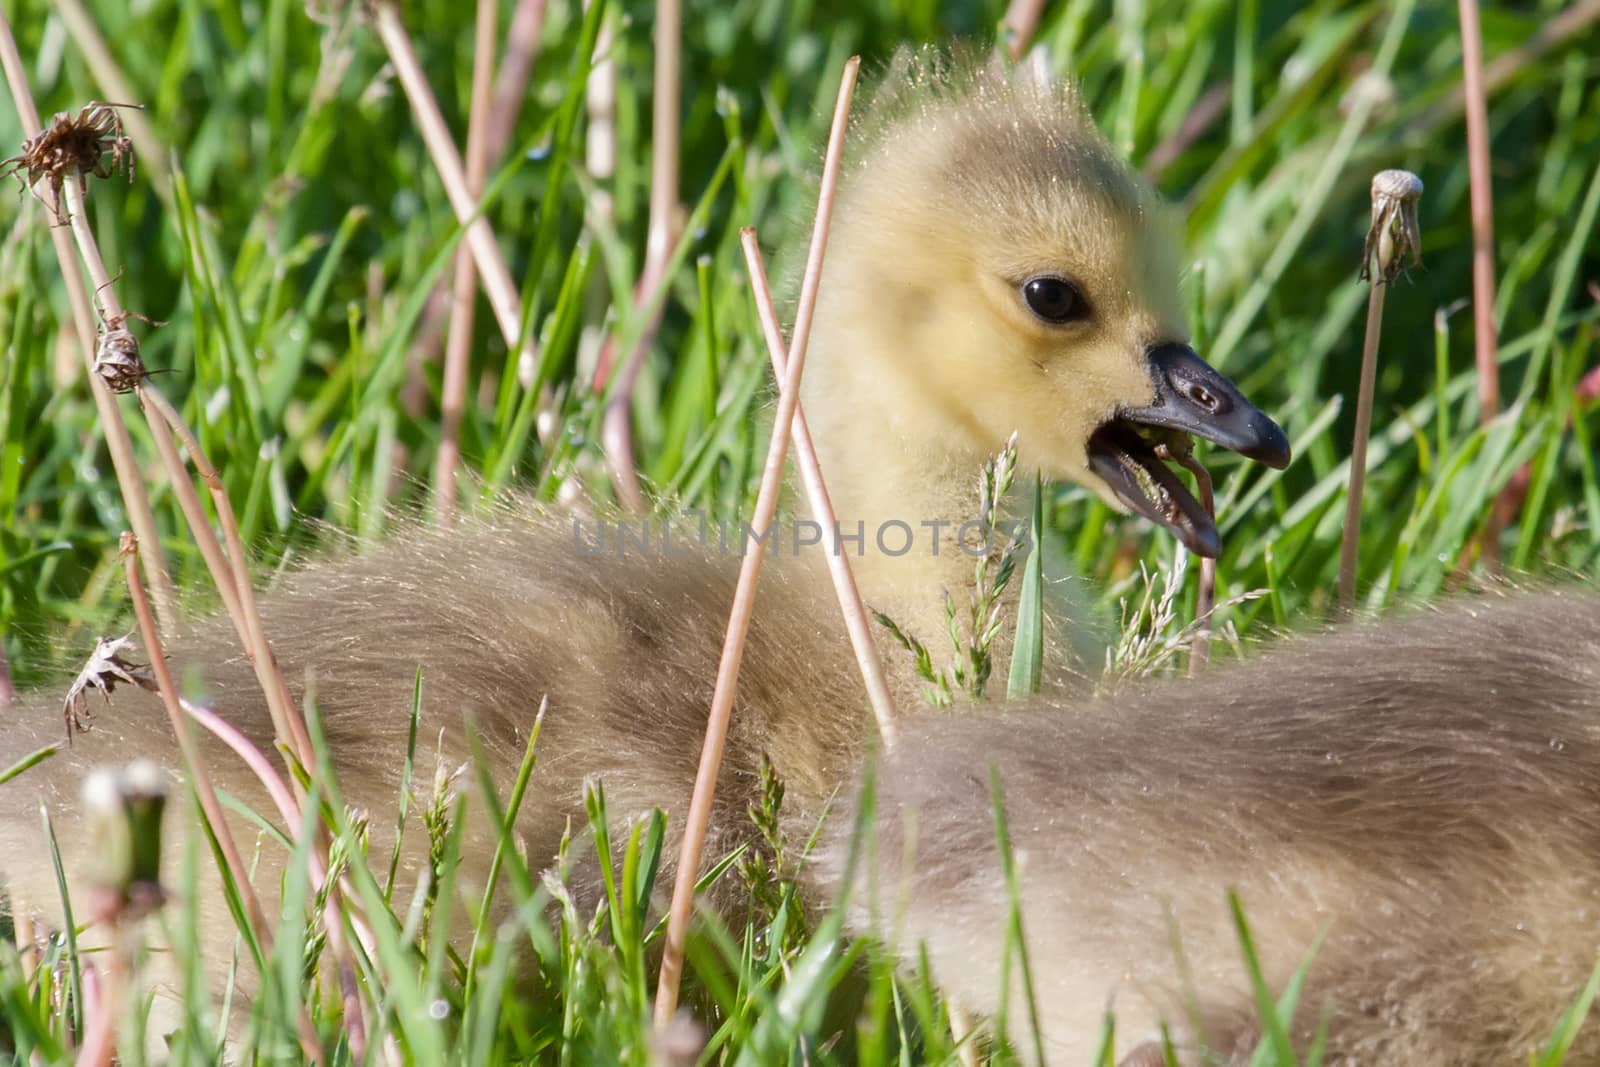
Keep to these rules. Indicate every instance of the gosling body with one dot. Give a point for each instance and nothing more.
(1412, 806)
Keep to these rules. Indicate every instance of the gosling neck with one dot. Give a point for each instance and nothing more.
(903, 485)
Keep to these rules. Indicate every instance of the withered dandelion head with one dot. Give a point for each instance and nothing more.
(91, 142)
(104, 670)
(117, 360)
(1394, 235)
(116, 354)
(124, 807)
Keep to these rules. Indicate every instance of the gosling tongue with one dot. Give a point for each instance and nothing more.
(1127, 463)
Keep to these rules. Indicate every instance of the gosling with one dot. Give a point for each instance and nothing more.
(994, 268)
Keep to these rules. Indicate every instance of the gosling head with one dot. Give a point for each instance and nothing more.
(994, 267)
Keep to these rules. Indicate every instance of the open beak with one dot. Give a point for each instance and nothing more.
(1191, 398)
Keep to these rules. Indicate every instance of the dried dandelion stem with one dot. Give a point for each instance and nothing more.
(844, 583)
(1350, 542)
(616, 432)
(497, 284)
(1391, 240)
(464, 291)
(1481, 195)
(699, 817)
(118, 443)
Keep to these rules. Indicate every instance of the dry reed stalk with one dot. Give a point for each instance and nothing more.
(1201, 117)
(699, 816)
(458, 344)
(118, 443)
(290, 727)
(963, 1031)
(616, 432)
(1392, 239)
(27, 937)
(596, 341)
(844, 583)
(1484, 340)
(497, 284)
(511, 84)
(1555, 31)
(1018, 25)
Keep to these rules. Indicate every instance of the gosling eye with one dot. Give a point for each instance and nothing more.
(1055, 300)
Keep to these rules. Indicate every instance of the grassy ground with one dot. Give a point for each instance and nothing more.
(289, 229)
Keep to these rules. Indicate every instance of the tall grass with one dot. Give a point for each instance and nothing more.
(287, 226)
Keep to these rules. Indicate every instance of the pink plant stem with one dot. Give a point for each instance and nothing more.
(497, 284)
(1020, 22)
(118, 443)
(100, 1008)
(259, 765)
(316, 867)
(699, 817)
(1206, 595)
(616, 432)
(844, 582)
(458, 345)
(8, 690)
(1482, 200)
(511, 84)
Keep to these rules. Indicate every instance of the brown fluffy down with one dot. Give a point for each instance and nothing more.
(496, 615)
(1422, 794)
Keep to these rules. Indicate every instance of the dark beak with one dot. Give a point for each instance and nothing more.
(1190, 398)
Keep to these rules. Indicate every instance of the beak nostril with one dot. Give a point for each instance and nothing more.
(1200, 395)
